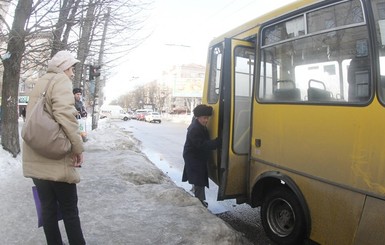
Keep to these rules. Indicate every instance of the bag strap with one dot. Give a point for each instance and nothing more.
(46, 87)
(44, 98)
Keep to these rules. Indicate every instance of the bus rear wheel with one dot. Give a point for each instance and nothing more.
(282, 217)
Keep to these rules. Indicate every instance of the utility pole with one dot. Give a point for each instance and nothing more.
(95, 107)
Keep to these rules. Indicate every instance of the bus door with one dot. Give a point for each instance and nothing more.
(235, 99)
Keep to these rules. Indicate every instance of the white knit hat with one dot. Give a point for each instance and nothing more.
(62, 60)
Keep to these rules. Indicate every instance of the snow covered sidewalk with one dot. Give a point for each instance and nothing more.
(123, 199)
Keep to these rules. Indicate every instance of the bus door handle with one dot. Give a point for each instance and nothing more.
(258, 142)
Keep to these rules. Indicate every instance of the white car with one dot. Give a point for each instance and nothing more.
(153, 117)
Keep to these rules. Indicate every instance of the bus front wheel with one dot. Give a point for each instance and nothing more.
(282, 217)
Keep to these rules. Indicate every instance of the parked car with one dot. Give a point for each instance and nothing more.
(141, 116)
(153, 117)
(133, 115)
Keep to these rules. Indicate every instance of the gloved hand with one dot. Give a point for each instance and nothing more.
(218, 142)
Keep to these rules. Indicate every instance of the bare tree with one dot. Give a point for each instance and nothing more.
(150, 93)
(95, 111)
(62, 24)
(11, 76)
(86, 30)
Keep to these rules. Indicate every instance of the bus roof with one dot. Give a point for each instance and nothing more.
(250, 28)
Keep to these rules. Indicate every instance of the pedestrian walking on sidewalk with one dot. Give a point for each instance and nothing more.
(196, 152)
(56, 180)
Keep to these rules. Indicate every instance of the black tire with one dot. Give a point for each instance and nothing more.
(282, 217)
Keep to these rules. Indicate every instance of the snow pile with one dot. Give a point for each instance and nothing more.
(123, 199)
(8, 163)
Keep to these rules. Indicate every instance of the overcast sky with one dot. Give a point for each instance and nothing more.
(181, 31)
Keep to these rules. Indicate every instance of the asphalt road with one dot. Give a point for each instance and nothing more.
(163, 145)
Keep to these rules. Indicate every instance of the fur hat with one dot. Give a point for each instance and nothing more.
(203, 110)
(76, 90)
(62, 60)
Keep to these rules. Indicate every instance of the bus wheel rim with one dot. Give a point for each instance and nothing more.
(281, 217)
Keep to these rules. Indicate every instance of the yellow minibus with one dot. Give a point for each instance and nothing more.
(299, 101)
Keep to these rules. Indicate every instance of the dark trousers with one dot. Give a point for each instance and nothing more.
(52, 193)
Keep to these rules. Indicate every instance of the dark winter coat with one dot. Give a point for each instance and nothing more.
(80, 108)
(196, 154)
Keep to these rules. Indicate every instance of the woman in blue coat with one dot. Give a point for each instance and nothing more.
(196, 152)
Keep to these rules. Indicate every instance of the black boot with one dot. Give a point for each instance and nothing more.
(204, 203)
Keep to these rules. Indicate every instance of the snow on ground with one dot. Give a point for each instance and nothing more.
(123, 199)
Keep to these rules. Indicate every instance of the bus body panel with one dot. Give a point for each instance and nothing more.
(333, 211)
(214, 166)
(237, 176)
(371, 229)
(346, 148)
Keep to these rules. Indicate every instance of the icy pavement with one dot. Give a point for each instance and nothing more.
(123, 199)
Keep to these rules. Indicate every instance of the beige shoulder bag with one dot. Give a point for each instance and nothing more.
(42, 133)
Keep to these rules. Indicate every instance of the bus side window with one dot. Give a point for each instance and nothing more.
(382, 87)
(332, 36)
(359, 79)
(319, 93)
(215, 75)
(286, 91)
(379, 16)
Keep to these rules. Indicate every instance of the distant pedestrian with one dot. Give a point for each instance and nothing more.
(56, 180)
(196, 152)
(79, 103)
(23, 113)
(82, 113)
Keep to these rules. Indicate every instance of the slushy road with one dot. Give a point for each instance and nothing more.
(163, 145)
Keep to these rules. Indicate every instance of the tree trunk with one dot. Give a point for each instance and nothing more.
(84, 44)
(16, 47)
(95, 111)
(64, 25)
(70, 22)
(59, 27)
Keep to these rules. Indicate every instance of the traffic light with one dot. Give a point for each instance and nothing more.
(94, 72)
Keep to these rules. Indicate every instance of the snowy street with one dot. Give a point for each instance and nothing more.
(123, 199)
(163, 145)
